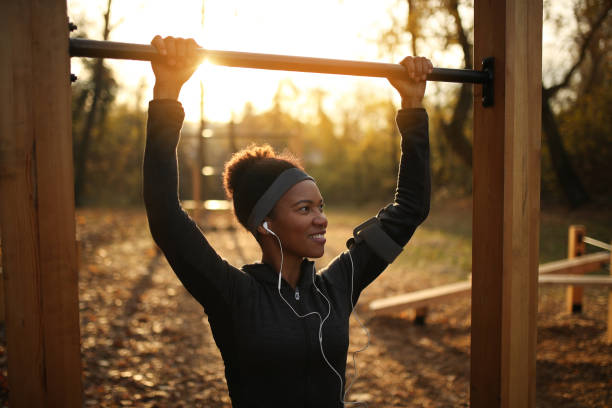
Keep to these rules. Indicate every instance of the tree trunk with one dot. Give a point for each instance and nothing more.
(453, 131)
(82, 148)
(564, 170)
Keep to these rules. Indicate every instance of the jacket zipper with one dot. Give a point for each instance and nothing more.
(297, 293)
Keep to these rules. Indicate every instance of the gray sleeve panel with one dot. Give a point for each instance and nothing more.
(377, 239)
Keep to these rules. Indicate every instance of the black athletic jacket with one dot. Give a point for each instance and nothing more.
(272, 357)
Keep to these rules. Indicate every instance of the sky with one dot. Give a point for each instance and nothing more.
(318, 28)
(341, 29)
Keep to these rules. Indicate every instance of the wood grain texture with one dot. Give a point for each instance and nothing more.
(584, 264)
(430, 296)
(578, 280)
(420, 298)
(609, 334)
(37, 210)
(575, 249)
(506, 170)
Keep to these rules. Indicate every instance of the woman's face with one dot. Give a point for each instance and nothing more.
(299, 221)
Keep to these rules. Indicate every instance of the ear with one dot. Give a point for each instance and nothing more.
(261, 229)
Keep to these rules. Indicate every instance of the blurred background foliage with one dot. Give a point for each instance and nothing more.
(354, 156)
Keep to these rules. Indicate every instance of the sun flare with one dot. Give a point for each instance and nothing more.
(319, 28)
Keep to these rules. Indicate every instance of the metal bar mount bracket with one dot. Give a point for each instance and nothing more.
(488, 94)
(108, 49)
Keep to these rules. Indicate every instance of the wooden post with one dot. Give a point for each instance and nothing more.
(609, 337)
(506, 174)
(37, 206)
(420, 315)
(575, 248)
(2, 312)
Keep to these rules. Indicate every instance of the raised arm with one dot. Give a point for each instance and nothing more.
(211, 280)
(412, 195)
(378, 241)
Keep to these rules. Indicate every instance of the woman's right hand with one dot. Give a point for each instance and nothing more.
(179, 62)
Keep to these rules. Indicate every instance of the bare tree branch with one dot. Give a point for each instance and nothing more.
(453, 9)
(412, 25)
(551, 91)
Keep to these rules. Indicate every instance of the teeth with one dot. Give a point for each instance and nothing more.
(317, 236)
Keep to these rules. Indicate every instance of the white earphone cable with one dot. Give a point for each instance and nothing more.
(322, 321)
(354, 357)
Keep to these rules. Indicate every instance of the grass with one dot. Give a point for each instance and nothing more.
(443, 242)
(554, 226)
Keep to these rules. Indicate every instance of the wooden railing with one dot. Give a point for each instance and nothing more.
(570, 272)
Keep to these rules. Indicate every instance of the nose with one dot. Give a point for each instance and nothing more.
(320, 220)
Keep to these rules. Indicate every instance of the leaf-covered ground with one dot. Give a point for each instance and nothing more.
(147, 343)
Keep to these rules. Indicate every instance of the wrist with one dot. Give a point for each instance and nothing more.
(166, 91)
(411, 103)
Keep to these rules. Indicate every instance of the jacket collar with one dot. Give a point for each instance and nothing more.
(265, 273)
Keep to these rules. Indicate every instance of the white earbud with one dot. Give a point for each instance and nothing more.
(265, 225)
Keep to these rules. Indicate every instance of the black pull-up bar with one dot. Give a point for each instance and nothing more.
(117, 50)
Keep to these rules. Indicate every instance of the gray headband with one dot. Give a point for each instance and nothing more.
(266, 202)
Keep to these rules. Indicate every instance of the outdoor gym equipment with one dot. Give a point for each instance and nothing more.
(37, 214)
(118, 50)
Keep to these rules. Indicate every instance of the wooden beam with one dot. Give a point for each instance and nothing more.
(420, 298)
(575, 248)
(597, 243)
(577, 280)
(584, 264)
(37, 206)
(506, 174)
(426, 297)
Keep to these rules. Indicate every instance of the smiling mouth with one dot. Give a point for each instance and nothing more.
(318, 237)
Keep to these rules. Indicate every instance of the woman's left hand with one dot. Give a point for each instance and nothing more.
(412, 89)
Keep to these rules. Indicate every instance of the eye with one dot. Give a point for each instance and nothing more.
(304, 209)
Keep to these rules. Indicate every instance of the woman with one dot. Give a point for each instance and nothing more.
(282, 328)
